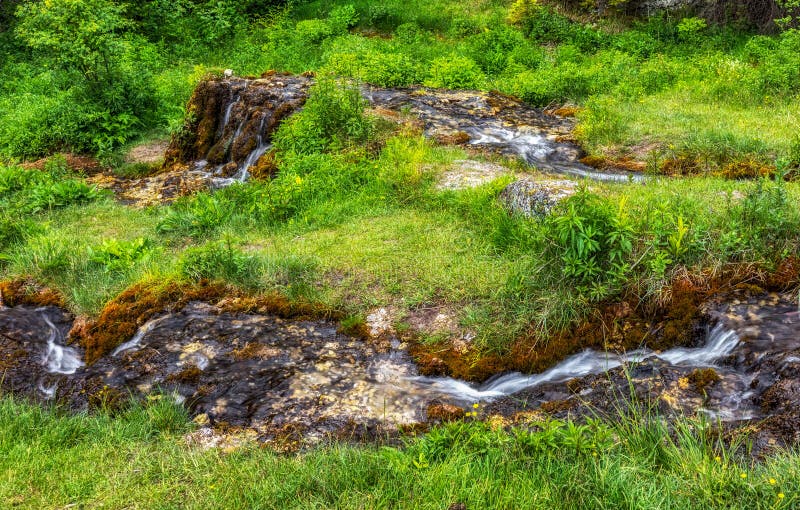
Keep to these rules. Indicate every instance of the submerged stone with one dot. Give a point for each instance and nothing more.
(536, 198)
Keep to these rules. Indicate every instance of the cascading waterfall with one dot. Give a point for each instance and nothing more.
(58, 358)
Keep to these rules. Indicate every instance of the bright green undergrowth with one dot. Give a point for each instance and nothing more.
(357, 230)
(140, 459)
(655, 86)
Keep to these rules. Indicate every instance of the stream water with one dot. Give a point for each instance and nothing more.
(265, 373)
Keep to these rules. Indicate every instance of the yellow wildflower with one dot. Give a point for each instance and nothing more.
(743, 476)
(772, 481)
(781, 495)
(475, 405)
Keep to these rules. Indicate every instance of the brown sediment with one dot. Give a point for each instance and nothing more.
(76, 162)
(28, 292)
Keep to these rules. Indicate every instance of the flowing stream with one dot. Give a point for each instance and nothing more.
(267, 373)
(720, 343)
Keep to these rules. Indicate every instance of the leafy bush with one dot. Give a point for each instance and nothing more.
(593, 239)
(58, 194)
(765, 215)
(383, 17)
(313, 30)
(116, 255)
(455, 72)
(492, 49)
(332, 118)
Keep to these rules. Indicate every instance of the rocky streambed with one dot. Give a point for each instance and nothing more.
(275, 376)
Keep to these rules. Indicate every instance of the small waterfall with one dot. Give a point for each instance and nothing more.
(255, 154)
(234, 124)
(720, 343)
(59, 358)
(134, 342)
(227, 117)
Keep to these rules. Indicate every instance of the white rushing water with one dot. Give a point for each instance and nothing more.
(59, 358)
(720, 342)
(134, 342)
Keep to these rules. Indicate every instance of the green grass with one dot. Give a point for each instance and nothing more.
(139, 459)
(357, 231)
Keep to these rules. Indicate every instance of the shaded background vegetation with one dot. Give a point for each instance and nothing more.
(92, 75)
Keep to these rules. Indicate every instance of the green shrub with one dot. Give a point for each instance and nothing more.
(690, 29)
(766, 214)
(455, 72)
(593, 240)
(58, 194)
(383, 17)
(492, 49)
(313, 30)
(341, 18)
(333, 118)
(114, 255)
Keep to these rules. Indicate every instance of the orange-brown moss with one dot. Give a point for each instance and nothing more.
(441, 412)
(607, 163)
(615, 326)
(681, 166)
(265, 168)
(189, 375)
(565, 111)
(786, 275)
(457, 138)
(121, 317)
(102, 397)
(557, 406)
(746, 169)
(703, 378)
(28, 292)
(10, 360)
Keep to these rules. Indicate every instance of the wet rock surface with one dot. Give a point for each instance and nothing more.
(256, 371)
(536, 198)
(470, 173)
(271, 375)
(756, 383)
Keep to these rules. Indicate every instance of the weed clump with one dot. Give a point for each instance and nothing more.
(704, 378)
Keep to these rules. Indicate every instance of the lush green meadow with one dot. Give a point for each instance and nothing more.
(354, 220)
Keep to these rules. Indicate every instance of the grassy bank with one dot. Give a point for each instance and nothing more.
(140, 459)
